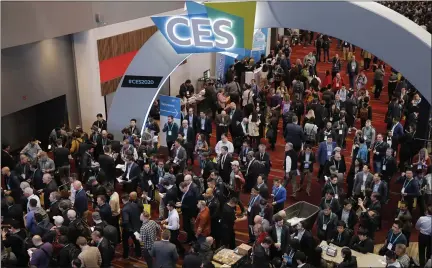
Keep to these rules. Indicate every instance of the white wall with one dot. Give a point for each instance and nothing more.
(91, 101)
(193, 70)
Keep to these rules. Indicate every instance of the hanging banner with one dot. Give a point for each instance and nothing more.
(220, 66)
(168, 106)
(259, 46)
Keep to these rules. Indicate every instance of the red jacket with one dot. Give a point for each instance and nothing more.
(336, 85)
(203, 223)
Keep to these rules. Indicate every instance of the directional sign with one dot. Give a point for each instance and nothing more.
(170, 106)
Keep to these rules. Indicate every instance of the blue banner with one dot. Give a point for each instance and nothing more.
(170, 106)
(259, 45)
(220, 66)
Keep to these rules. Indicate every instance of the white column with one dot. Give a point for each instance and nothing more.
(91, 102)
(268, 41)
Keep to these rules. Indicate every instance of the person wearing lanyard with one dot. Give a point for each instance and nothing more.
(341, 238)
(279, 196)
(394, 237)
(424, 226)
(280, 235)
(171, 129)
(410, 189)
(331, 201)
(326, 222)
(332, 186)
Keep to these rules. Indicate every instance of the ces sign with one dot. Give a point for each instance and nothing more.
(201, 35)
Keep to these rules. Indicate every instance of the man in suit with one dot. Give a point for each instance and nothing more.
(388, 168)
(188, 134)
(278, 195)
(262, 187)
(104, 245)
(131, 175)
(307, 160)
(280, 235)
(380, 187)
(342, 237)
(253, 169)
(397, 133)
(104, 209)
(362, 242)
(352, 70)
(107, 164)
(261, 253)
(204, 126)
(243, 153)
(294, 133)
(12, 184)
(51, 186)
(131, 223)
(224, 164)
(54, 209)
(222, 122)
(307, 242)
(326, 223)
(164, 253)
(191, 119)
(379, 149)
(61, 158)
(100, 123)
(361, 181)
(347, 215)
(7, 159)
(254, 200)
(264, 158)
(188, 204)
(236, 118)
(81, 203)
(180, 155)
(14, 212)
(214, 207)
(324, 154)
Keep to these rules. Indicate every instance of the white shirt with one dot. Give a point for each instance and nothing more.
(288, 164)
(33, 196)
(73, 193)
(227, 144)
(173, 220)
(424, 224)
(279, 234)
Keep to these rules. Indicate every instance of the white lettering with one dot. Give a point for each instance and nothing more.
(171, 31)
(141, 82)
(229, 38)
(199, 34)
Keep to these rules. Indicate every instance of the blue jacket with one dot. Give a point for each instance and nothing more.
(279, 194)
(362, 153)
(322, 152)
(81, 203)
(398, 131)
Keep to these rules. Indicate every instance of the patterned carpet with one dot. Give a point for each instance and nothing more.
(379, 108)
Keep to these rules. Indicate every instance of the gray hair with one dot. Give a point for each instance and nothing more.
(71, 214)
(28, 190)
(24, 185)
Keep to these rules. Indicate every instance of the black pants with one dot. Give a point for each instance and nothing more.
(378, 88)
(147, 257)
(334, 74)
(115, 222)
(278, 207)
(169, 145)
(228, 237)
(125, 239)
(326, 53)
(367, 64)
(175, 241)
(318, 54)
(407, 235)
(424, 246)
(187, 227)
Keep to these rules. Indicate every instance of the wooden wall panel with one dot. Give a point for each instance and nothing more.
(110, 86)
(123, 43)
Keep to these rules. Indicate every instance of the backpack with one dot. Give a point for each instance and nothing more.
(298, 87)
(364, 113)
(83, 228)
(73, 252)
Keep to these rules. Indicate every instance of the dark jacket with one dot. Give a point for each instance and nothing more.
(261, 258)
(192, 260)
(341, 240)
(285, 237)
(349, 264)
(107, 164)
(366, 246)
(294, 134)
(81, 203)
(352, 218)
(302, 159)
(106, 251)
(131, 217)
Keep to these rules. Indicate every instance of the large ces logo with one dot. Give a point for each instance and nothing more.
(209, 28)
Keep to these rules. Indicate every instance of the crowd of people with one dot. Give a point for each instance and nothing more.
(60, 215)
(418, 11)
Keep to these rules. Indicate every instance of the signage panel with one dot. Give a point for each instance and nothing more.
(137, 81)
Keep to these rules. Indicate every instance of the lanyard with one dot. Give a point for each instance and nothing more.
(331, 201)
(329, 217)
(390, 240)
(170, 128)
(337, 166)
(277, 191)
(333, 188)
(253, 200)
(406, 184)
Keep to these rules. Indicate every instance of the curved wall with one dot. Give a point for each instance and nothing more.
(369, 25)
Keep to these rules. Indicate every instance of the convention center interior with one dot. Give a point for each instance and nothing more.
(243, 134)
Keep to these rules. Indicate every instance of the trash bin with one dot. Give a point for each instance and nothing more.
(304, 210)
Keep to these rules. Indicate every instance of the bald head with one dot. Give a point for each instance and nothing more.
(46, 178)
(188, 179)
(209, 240)
(71, 214)
(209, 192)
(5, 171)
(37, 240)
(282, 213)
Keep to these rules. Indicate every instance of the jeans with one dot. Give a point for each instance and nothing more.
(148, 259)
(308, 175)
(326, 53)
(351, 80)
